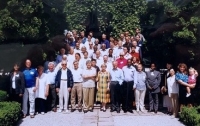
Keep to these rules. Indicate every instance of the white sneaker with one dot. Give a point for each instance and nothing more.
(42, 113)
(59, 110)
(188, 94)
(66, 111)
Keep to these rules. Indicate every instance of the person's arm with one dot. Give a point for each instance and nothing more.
(121, 77)
(22, 83)
(135, 77)
(108, 81)
(147, 83)
(36, 85)
(157, 84)
(47, 90)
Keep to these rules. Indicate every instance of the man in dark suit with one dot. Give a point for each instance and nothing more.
(153, 84)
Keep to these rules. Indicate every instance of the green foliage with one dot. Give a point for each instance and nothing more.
(29, 20)
(10, 113)
(119, 15)
(185, 17)
(3, 95)
(190, 116)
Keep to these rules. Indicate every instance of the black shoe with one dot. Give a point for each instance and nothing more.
(125, 111)
(104, 110)
(72, 110)
(131, 111)
(85, 111)
(80, 110)
(118, 111)
(91, 110)
(150, 110)
(156, 111)
(112, 110)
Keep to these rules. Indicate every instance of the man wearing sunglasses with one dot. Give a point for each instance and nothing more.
(64, 83)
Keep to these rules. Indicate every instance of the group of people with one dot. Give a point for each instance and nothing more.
(107, 71)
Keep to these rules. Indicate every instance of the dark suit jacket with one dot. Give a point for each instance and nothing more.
(153, 81)
(70, 80)
(19, 82)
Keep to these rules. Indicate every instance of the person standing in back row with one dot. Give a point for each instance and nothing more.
(130, 79)
(153, 80)
(30, 75)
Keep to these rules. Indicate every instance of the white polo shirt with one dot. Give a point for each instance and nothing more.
(89, 83)
(77, 74)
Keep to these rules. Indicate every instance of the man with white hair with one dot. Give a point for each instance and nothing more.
(59, 66)
(64, 82)
(103, 50)
(108, 64)
(51, 74)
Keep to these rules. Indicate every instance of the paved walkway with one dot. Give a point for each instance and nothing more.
(99, 118)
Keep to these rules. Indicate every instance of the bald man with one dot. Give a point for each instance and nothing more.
(30, 75)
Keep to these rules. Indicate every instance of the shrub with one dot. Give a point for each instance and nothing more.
(10, 113)
(3, 95)
(190, 116)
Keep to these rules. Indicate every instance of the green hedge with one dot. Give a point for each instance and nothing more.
(9, 113)
(190, 116)
(3, 95)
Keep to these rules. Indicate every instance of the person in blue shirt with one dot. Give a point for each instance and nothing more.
(105, 41)
(30, 75)
(83, 37)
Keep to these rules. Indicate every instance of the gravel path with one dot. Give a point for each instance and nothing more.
(98, 118)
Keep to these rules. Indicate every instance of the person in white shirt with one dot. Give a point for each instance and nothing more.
(90, 50)
(79, 60)
(122, 38)
(77, 87)
(88, 41)
(111, 57)
(99, 59)
(130, 79)
(51, 74)
(103, 50)
(64, 83)
(71, 55)
(92, 38)
(113, 47)
(42, 86)
(108, 64)
(119, 49)
(94, 52)
(59, 66)
(77, 48)
(83, 50)
(173, 91)
(96, 43)
(85, 58)
(89, 76)
(126, 54)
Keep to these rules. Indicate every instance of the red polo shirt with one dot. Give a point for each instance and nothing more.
(121, 63)
(134, 54)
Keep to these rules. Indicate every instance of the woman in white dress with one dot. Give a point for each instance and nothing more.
(42, 91)
(173, 91)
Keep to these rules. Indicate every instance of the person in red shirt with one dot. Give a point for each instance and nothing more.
(134, 53)
(121, 61)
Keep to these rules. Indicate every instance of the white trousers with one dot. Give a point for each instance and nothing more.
(63, 93)
(29, 94)
(139, 99)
